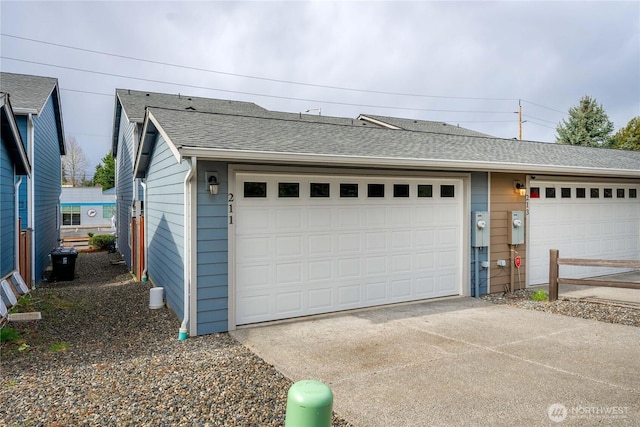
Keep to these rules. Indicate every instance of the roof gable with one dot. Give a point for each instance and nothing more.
(11, 137)
(420, 125)
(133, 104)
(29, 95)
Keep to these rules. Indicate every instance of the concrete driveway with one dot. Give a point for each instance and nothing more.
(461, 361)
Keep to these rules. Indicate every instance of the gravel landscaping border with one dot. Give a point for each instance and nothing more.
(603, 311)
(101, 357)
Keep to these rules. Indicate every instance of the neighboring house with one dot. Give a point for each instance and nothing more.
(128, 117)
(37, 108)
(321, 215)
(87, 207)
(14, 167)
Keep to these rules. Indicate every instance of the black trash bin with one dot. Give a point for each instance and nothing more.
(64, 263)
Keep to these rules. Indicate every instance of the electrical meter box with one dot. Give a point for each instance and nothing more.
(516, 228)
(480, 229)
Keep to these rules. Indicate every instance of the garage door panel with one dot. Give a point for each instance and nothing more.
(589, 227)
(316, 255)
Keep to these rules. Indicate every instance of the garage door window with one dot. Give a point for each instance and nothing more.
(319, 189)
(620, 192)
(581, 193)
(288, 189)
(534, 193)
(348, 190)
(447, 191)
(375, 190)
(255, 189)
(425, 190)
(608, 193)
(550, 193)
(565, 193)
(595, 193)
(633, 193)
(400, 190)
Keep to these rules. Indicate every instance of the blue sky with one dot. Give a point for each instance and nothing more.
(466, 63)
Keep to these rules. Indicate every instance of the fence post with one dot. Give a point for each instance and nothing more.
(309, 404)
(553, 274)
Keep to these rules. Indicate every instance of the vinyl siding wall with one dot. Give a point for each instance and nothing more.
(165, 224)
(503, 200)
(23, 210)
(479, 202)
(47, 171)
(212, 253)
(124, 184)
(7, 213)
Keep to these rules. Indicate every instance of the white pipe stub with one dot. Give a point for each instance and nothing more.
(156, 297)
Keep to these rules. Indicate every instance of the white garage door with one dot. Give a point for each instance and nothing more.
(317, 244)
(582, 220)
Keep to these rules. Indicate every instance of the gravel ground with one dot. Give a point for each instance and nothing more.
(625, 314)
(101, 357)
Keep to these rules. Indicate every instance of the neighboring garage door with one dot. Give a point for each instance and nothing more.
(317, 244)
(581, 220)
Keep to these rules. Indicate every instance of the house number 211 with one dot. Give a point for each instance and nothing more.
(230, 208)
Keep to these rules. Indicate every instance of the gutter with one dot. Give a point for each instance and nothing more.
(31, 137)
(182, 335)
(400, 162)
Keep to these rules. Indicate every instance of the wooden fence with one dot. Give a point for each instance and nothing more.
(24, 254)
(555, 261)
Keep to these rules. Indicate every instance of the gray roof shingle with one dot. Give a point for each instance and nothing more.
(134, 103)
(252, 134)
(425, 125)
(27, 92)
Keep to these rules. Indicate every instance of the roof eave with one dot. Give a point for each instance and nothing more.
(21, 161)
(464, 165)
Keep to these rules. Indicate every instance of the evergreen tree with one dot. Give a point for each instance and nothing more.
(105, 174)
(588, 124)
(628, 137)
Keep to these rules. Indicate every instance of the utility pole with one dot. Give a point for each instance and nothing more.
(519, 120)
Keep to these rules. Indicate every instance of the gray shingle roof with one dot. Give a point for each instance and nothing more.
(134, 103)
(425, 125)
(247, 134)
(27, 92)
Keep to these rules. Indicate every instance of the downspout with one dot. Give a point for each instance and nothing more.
(182, 335)
(17, 210)
(144, 209)
(31, 198)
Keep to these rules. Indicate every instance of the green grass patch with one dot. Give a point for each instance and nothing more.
(540, 296)
(59, 346)
(9, 335)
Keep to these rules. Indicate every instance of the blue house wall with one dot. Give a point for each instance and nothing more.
(47, 173)
(479, 202)
(212, 251)
(165, 223)
(23, 212)
(7, 212)
(125, 159)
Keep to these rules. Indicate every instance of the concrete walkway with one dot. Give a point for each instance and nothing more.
(460, 361)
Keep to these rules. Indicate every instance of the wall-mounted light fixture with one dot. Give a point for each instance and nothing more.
(213, 184)
(519, 188)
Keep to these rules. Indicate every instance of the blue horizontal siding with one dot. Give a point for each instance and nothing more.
(479, 202)
(164, 206)
(47, 177)
(213, 258)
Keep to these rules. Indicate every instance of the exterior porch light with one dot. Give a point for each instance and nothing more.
(519, 188)
(213, 185)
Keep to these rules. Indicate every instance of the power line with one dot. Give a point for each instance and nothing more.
(542, 106)
(186, 67)
(537, 118)
(87, 91)
(253, 93)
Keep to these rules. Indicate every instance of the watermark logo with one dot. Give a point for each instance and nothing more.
(557, 412)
